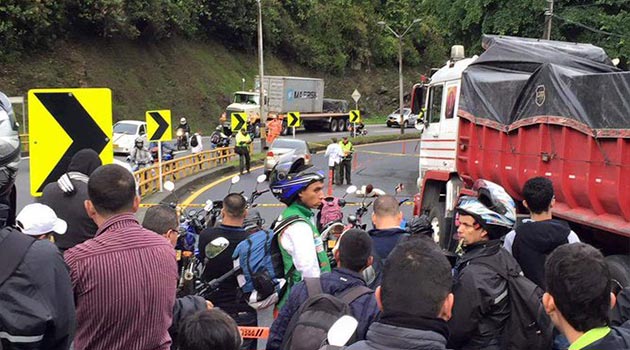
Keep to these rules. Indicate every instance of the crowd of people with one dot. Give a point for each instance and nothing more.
(79, 271)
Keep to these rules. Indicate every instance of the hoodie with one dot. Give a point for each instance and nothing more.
(66, 197)
(534, 240)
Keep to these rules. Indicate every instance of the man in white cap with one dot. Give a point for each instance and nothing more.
(40, 221)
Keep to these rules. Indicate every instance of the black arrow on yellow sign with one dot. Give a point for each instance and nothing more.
(77, 123)
(294, 119)
(240, 121)
(162, 126)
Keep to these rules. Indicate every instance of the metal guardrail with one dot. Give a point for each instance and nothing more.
(149, 180)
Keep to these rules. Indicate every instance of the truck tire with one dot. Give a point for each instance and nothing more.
(346, 124)
(437, 220)
(619, 266)
(334, 124)
(285, 128)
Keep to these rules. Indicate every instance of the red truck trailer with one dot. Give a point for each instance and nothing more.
(526, 108)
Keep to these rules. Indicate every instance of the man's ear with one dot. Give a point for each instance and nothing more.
(89, 208)
(613, 300)
(370, 261)
(336, 254)
(136, 204)
(525, 204)
(377, 295)
(549, 303)
(374, 218)
(447, 307)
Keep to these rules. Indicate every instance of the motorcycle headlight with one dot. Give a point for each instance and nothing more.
(180, 132)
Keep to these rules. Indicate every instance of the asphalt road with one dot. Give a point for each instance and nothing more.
(23, 180)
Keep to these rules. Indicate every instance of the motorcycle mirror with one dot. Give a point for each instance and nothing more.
(351, 189)
(261, 178)
(192, 213)
(209, 205)
(216, 247)
(236, 179)
(342, 330)
(368, 189)
(399, 188)
(169, 186)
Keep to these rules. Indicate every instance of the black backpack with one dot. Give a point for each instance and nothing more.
(528, 326)
(308, 328)
(193, 141)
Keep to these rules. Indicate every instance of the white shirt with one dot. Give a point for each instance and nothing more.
(297, 239)
(199, 147)
(333, 152)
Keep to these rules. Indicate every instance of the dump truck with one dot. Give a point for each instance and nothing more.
(285, 94)
(526, 108)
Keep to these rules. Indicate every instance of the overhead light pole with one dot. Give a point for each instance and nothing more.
(261, 74)
(400, 65)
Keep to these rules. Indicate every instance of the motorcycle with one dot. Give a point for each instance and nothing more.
(182, 139)
(136, 165)
(167, 151)
(254, 221)
(356, 220)
(360, 130)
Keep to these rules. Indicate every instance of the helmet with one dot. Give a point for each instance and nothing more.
(182, 121)
(493, 208)
(288, 179)
(219, 128)
(139, 142)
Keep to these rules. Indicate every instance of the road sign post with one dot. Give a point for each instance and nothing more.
(159, 128)
(294, 121)
(63, 122)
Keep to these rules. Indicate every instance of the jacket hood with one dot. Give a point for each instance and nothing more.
(384, 336)
(386, 232)
(544, 236)
(85, 162)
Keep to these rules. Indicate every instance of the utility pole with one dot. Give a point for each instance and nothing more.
(261, 74)
(548, 18)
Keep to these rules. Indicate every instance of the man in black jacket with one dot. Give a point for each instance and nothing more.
(228, 296)
(67, 195)
(415, 300)
(578, 298)
(36, 299)
(481, 296)
(532, 241)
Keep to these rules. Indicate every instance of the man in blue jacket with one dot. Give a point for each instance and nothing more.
(578, 298)
(353, 256)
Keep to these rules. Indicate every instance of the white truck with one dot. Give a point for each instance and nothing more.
(285, 94)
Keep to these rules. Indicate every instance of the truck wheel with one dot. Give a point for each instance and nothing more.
(437, 220)
(333, 125)
(285, 128)
(345, 123)
(619, 266)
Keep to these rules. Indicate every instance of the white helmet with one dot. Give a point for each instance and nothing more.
(182, 121)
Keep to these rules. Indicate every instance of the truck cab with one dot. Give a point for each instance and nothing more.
(247, 102)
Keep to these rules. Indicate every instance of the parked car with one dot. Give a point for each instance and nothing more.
(409, 120)
(285, 150)
(125, 134)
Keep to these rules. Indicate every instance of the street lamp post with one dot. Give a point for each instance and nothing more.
(261, 74)
(400, 65)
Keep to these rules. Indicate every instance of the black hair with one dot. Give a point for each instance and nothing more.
(160, 219)
(538, 192)
(235, 205)
(386, 205)
(209, 329)
(355, 248)
(112, 189)
(578, 278)
(416, 279)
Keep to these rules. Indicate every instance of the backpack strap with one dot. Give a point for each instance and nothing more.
(13, 248)
(354, 293)
(313, 286)
(278, 227)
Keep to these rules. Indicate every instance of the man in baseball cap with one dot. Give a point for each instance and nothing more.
(40, 221)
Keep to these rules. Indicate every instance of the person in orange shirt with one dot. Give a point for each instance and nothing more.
(274, 128)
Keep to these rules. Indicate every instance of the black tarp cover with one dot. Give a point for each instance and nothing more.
(518, 81)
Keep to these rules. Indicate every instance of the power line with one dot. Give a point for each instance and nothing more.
(590, 28)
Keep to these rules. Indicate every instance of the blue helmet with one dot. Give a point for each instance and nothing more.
(288, 179)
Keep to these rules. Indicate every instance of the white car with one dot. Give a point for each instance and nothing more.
(125, 134)
(409, 120)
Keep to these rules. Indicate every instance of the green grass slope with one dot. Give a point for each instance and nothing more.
(192, 79)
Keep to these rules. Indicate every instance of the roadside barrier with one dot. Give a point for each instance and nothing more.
(149, 180)
(254, 332)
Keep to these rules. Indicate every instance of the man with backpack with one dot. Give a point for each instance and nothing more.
(300, 187)
(482, 306)
(301, 323)
(228, 296)
(533, 240)
(578, 298)
(415, 300)
(36, 300)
